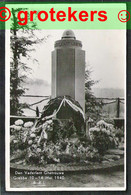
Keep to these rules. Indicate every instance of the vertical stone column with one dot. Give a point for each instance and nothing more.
(68, 68)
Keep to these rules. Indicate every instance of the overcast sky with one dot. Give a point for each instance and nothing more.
(105, 53)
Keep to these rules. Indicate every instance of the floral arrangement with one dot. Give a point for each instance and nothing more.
(48, 144)
(103, 137)
(55, 141)
(19, 133)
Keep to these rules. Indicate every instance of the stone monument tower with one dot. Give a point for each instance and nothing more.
(68, 68)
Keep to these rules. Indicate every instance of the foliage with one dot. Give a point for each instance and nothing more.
(93, 154)
(75, 122)
(119, 133)
(22, 42)
(109, 120)
(102, 137)
(18, 138)
(43, 144)
(92, 104)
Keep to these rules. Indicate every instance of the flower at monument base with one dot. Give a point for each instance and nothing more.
(15, 141)
(12, 126)
(17, 128)
(12, 138)
(65, 148)
(94, 157)
(102, 124)
(110, 126)
(34, 146)
(56, 160)
(30, 142)
(94, 129)
(28, 124)
(81, 149)
(32, 135)
(12, 129)
(49, 121)
(44, 125)
(19, 122)
(108, 132)
(104, 130)
(102, 138)
(38, 150)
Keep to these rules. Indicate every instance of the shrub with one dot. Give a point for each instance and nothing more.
(93, 155)
(119, 134)
(48, 144)
(102, 137)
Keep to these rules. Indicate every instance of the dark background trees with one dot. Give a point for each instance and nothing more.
(93, 106)
(22, 42)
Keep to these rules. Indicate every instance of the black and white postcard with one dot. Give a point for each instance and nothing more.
(65, 110)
